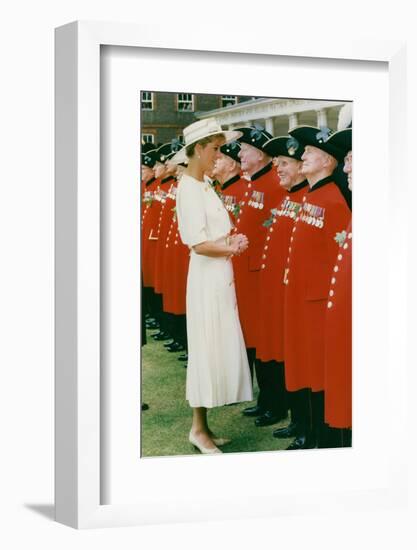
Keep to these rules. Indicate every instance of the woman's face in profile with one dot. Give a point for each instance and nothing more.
(210, 153)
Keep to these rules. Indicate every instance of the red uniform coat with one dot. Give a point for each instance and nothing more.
(270, 339)
(232, 192)
(149, 234)
(338, 350)
(167, 195)
(176, 260)
(307, 276)
(263, 193)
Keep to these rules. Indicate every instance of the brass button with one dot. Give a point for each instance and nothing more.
(329, 304)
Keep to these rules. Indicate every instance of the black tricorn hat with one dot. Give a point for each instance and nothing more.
(342, 140)
(286, 146)
(168, 150)
(254, 135)
(231, 149)
(145, 147)
(317, 137)
(149, 158)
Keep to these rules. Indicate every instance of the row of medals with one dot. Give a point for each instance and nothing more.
(229, 202)
(147, 197)
(257, 200)
(160, 196)
(289, 209)
(313, 215)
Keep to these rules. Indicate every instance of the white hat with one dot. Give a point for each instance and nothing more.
(200, 130)
(345, 117)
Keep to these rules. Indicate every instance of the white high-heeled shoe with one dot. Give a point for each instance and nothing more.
(203, 450)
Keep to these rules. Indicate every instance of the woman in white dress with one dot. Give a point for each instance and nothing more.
(218, 370)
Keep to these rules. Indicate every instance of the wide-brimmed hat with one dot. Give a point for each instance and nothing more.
(254, 135)
(145, 147)
(149, 158)
(317, 137)
(167, 150)
(231, 150)
(286, 146)
(199, 130)
(342, 140)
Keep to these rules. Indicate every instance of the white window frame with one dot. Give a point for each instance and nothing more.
(185, 101)
(152, 140)
(227, 98)
(151, 100)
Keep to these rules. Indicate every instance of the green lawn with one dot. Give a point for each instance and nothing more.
(165, 426)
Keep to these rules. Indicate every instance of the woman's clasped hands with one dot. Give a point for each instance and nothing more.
(239, 243)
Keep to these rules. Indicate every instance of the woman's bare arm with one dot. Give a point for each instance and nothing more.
(224, 247)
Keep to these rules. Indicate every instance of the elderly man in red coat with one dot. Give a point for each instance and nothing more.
(338, 342)
(263, 193)
(287, 153)
(307, 277)
(149, 185)
(227, 171)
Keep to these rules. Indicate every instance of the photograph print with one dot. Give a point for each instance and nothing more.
(246, 267)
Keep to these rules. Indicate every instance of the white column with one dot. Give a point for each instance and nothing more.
(292, 120)
(269, 125)
(321, 117)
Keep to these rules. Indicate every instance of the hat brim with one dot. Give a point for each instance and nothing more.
(229, 135)
(306, 135)
(277, 147)
(342, 140)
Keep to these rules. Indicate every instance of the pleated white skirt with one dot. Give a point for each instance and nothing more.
(218, 369)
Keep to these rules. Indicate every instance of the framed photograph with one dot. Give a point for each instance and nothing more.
(107, 76)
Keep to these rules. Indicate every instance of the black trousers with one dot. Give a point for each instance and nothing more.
(273, 395)
(307, 412)
(176, 326)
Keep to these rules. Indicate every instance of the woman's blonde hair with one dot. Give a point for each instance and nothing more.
(189, 150)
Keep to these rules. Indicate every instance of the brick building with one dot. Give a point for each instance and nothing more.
(165, 114)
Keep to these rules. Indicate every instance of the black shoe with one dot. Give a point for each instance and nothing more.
(301, 442)
(144, 407)
(183, 357)
(175, 347)
(161, 336)
(253, 411)
(288, 431)
(167, 344)
(269, 418)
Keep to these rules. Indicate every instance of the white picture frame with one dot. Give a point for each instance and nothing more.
(78, 319)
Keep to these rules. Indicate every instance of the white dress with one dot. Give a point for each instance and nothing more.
(218, 370)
